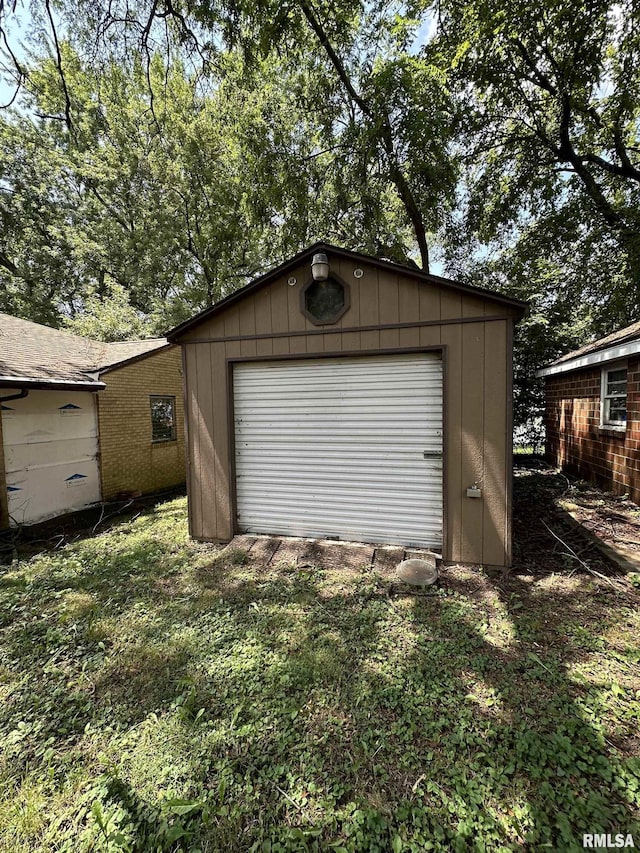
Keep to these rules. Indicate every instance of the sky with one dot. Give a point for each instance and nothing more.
(17, 30)
(425, 33)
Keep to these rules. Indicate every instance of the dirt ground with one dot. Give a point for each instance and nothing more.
(544, 537)
(612, 518)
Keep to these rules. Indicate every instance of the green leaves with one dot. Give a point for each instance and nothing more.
(172, 189)
(111, 317)
(212, 141)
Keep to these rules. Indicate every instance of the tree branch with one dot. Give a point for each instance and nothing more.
(119, 219)
(567, 153)
(334, 58)
(8, 264)
(20, 72)
(627, 170)
(382, 127)
(67, 99)
(541, 79)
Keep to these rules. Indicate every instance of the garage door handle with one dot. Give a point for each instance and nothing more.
(432, 454)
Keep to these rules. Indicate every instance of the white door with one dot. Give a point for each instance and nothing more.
(50, 451)
(341, 447)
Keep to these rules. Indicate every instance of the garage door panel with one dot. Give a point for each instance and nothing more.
(335, 447)
(280, 483)
(354, 442)
(401, 458)
(50, 454)
(330, 527)
(337, 496)
(295, 371)
(338, 517)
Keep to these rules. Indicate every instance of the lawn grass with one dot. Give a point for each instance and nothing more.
(157, 694)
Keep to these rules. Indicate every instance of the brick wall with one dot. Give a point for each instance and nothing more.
(129, 460)
(577, 443)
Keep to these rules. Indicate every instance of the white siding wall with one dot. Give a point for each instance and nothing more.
(50, 451)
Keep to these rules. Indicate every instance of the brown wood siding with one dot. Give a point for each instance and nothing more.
(474, 335)
(192, 434)
(496, 443)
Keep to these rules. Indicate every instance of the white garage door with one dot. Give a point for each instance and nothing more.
(346, 447)
(50, 450)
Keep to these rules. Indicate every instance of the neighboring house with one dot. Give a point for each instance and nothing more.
(84, 421)
(592, 411)
(348, 397)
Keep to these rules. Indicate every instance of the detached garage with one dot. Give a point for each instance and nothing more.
(341, 396)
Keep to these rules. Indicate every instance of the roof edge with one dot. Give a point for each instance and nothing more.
(53, 384)
(173, 334)
(139, 357)
(591, 359)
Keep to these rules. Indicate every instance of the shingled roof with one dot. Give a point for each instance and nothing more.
(32, 354)
(629, 333)
(614, 347)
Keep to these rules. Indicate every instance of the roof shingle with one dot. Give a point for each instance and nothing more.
(40, 354)
(629, 333)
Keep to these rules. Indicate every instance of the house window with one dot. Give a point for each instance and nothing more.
(614, 396)
(324, 302)
(163, 418)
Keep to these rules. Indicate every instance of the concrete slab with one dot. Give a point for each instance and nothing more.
(263, 549)
(386, 560)
(290, 551)
(327, 554)
(346, 555)
(419, 554)
(245, 542)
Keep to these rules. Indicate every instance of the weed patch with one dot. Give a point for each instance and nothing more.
(158, 695)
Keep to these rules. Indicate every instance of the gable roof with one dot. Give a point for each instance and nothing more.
(119, 353)
(627, 334)
(33, 354)
(306, 254)
(617, 345)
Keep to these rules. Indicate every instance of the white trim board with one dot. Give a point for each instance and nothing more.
(598, 357)
(28, 380)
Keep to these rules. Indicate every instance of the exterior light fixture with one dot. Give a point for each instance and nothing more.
(320, 267)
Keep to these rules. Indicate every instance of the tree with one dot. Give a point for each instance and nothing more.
(552, 100)
(510, 136)
(548, 205)
(179, 196)
(388, 108)
(111, 317)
